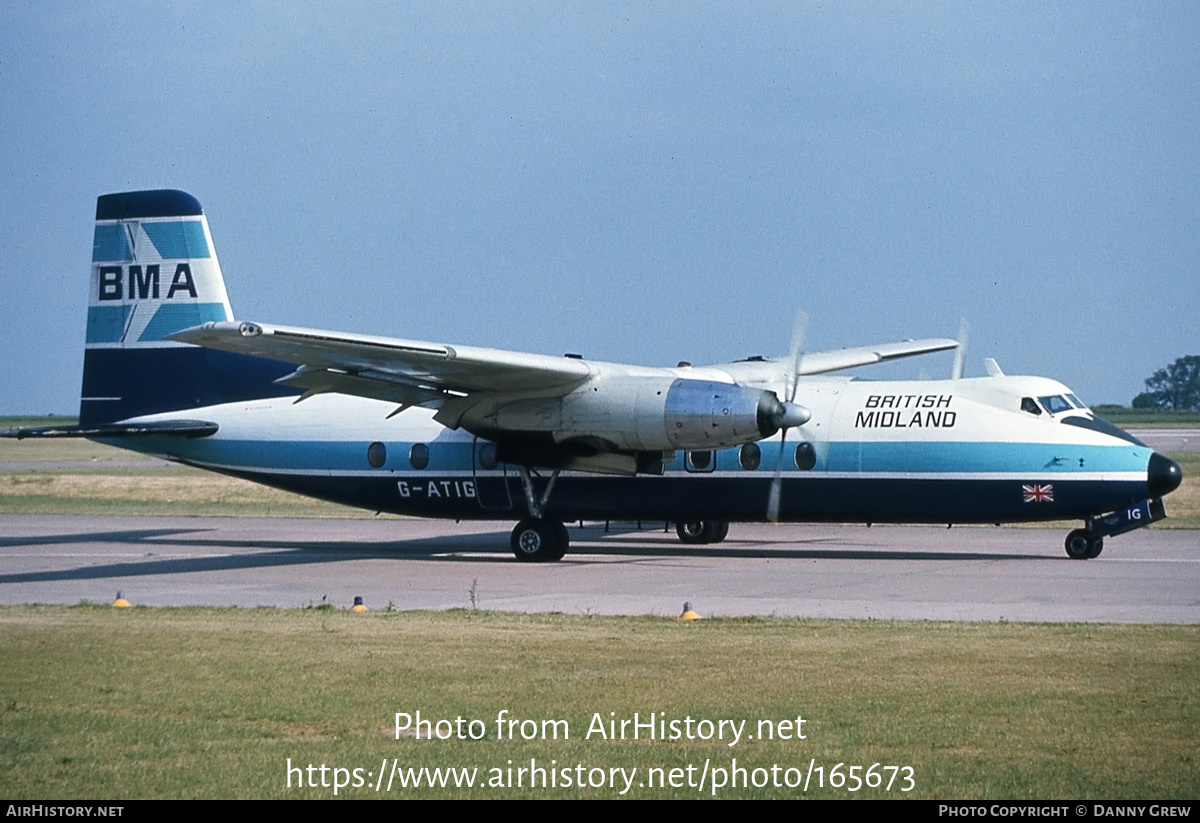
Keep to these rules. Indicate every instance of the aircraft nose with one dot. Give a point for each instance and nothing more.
(1163, 475)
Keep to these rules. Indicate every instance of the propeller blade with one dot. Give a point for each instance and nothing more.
(799, 328)
(794, 414)
(776, 483)
(960, 354)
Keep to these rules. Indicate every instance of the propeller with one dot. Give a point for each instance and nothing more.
(960, 354)
(794, 414)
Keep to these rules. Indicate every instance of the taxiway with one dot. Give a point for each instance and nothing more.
(884, 572)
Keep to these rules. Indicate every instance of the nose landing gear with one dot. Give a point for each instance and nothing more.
(1084, 545)
(702, 531)
(1088, 542)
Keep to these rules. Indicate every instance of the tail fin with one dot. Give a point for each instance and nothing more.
(154, 272)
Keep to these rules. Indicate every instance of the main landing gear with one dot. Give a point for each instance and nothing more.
(537, 539)
(702, 531)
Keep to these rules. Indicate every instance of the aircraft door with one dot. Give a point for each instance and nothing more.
(491, 478)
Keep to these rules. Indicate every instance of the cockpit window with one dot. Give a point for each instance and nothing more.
(1028, 404)
(1076, 402)
(1055, 403)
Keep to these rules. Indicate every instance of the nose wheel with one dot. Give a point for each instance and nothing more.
(702, 531)
(1084, 545)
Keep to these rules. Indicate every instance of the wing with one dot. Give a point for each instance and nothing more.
(410, 372)
(766, 371)
(827, 361)
(413, 372)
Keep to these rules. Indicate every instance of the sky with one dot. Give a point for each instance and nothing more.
(636, 182)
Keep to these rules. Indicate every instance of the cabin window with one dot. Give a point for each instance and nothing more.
(418, 455)
(487, 456)
(806, 456)
(750, 456)
(377, 454)
(1055, 403)
(1028, 404)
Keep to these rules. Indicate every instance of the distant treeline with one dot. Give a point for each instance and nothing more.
(1124, 416)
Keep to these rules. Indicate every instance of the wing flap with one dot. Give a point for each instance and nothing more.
(376, 385)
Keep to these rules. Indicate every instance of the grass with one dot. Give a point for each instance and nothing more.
(105, 480)
(32, 420)
(179, 703)
(1183, 504)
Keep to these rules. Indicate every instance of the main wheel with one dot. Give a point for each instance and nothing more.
(535, 540)
(1079, 544)
(693, 532)
(1095, 546)
(720, 530)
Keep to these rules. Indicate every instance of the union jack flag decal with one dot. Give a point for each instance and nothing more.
(1038, 494)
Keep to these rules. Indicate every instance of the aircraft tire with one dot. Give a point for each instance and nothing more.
(1079, 545)
(535, 540)
(1095, 546)
(694, 532)
(691, 533)
(564, 538)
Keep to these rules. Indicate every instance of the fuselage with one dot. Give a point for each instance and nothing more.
(979, 450)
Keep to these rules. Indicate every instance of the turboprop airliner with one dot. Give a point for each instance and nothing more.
(460, 432)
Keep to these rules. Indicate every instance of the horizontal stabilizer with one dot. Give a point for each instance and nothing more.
(163, 428)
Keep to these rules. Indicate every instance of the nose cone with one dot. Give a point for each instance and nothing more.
(1163, 475)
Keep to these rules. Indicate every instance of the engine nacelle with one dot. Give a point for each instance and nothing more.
(700, 414)
(641, 414)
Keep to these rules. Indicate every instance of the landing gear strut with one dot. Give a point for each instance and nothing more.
(1086, 543)
(702, 531)
(536, 539)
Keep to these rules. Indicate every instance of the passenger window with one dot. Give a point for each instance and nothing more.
(377, 454)
(418, 455)
(487, 456)
(750, 456)
(806, 456)
(1028, 404)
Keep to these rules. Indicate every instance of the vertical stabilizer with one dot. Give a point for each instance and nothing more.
(155, 272)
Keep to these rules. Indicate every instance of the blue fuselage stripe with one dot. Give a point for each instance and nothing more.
(1033, 459)
(939, 482)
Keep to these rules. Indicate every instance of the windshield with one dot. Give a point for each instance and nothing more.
(1055, 403)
